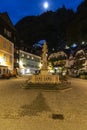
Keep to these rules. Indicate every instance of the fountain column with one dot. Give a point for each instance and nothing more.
(44, 77)
(44, 68)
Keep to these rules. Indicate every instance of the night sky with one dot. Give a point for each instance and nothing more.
(17, 9)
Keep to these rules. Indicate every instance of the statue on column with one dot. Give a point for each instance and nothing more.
(44, 56)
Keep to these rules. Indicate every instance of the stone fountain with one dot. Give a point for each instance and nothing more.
(44, 77)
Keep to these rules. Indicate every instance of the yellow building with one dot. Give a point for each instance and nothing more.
(6, 55)
(7, 40)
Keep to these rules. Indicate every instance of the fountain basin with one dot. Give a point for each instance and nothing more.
(44, 79)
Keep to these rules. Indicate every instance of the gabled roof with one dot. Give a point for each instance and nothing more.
(7, 20)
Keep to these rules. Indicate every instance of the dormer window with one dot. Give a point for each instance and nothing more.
(5, 30)
(8, 33)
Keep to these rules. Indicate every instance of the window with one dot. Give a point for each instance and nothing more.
(28, 56)
(0, 70)
(4, 57)
(8, 33)
(17, 61)
(10, 48)
(10, 59)
(4, 44)
(17, 51)
(32, 58)
(3, 70)
(5, 30)
(22, 55)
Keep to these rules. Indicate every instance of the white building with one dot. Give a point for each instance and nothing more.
(28, 63)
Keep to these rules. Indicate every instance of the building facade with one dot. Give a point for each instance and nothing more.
(28, 63)
(7, 40)
(6, 55)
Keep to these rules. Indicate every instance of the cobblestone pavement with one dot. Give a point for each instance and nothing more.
(24, 109)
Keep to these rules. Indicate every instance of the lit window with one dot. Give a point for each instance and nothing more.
(17, 61)
(27, 70)
(4, 57)
(83, 42)
(14, 38)
(17, 52)
(22, 55)
(10, 47)
(28, 56)
(32, 58)
(26, 49)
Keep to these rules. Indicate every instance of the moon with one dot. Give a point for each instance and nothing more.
(45, 5)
